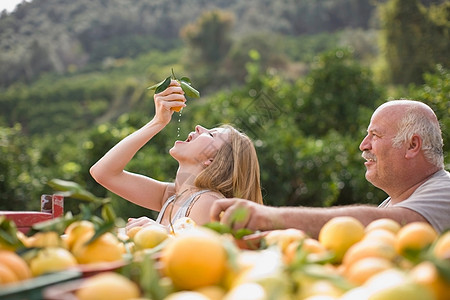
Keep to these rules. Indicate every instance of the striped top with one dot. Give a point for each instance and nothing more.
(182, 211)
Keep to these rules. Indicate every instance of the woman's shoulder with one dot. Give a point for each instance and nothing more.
(209, 194)
(200, 206)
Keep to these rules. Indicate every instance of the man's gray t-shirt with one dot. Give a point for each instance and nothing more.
(431, 200)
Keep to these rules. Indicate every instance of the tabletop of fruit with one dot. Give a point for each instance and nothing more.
(383, 260)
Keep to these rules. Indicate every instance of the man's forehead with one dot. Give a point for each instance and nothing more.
(384, 121)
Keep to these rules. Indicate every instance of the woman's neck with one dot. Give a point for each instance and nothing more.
(185, 178)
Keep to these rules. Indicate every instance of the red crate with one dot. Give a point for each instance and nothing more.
(25, 219)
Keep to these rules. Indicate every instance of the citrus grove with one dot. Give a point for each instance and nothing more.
(383, 260)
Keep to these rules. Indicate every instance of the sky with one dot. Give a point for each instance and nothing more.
(9, 5)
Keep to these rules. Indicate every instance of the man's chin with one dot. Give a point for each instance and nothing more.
(370, 177)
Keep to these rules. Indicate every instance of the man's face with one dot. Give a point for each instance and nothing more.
(383, 162)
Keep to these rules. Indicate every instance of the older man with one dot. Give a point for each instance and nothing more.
(403, 150)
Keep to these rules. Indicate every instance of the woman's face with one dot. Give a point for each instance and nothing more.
(201, 145)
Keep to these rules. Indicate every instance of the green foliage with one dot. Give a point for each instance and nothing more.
(305, 103)
(341, 87)
(209, 37)
(16, 165)
(414, 39)
(61, 36)
(436, 93)
(305, 47)
(269, 49)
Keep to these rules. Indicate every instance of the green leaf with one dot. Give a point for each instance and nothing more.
(150, 280)
(239, 215)
(64, 185)
(153, 87)
(108, 213)
(240, 233)
(185, 83)
(218, 227)
(163, 85)
(320, 272)
(105, 227)
(8, 233)
(189, 90)
(186, 79)
(58, 224)
(72, 189)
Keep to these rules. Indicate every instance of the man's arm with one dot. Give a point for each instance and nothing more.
(311, 219)
(308, 219)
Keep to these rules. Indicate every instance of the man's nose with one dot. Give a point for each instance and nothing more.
(365, 144)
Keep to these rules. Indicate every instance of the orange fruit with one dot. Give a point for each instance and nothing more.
(283, 237)
(105, 248)
(320, 288)
(24, 239)
(339, 234)
(45, 239)
(76, 230)
(212, 292)
(107, 286)
(7, 275)
(384, 223)
(385, 279)
(247, 291)
(16, 263)
(415, 236)
(51, 259)
(360, 271)
(357, 293)
(186, 295)
(314, 249)
(132, 232)
(441, 248)
(177, 108)
(195, 259)
(368, 248)
(427, 275)
(382, 235)
(150, 236)
(407, 290)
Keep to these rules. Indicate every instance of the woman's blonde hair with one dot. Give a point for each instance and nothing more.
(234, 172)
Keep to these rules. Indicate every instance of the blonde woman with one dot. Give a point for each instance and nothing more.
(213, 164)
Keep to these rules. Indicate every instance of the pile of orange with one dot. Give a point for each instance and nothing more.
(13, 268)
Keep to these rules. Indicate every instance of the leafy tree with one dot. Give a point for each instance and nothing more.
(208, 41)
(209, 37)
(435, 92)
(339, 87)
(414, 40)
(16, 165)
(268, 48)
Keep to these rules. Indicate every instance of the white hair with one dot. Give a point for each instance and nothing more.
(417, 122)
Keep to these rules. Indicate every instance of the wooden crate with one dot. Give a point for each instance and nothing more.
(52, 206)
(33, 288)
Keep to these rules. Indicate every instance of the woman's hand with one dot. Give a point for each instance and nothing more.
(141, 222)
(168, 101)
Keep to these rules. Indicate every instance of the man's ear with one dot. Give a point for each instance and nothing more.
(414, 146)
